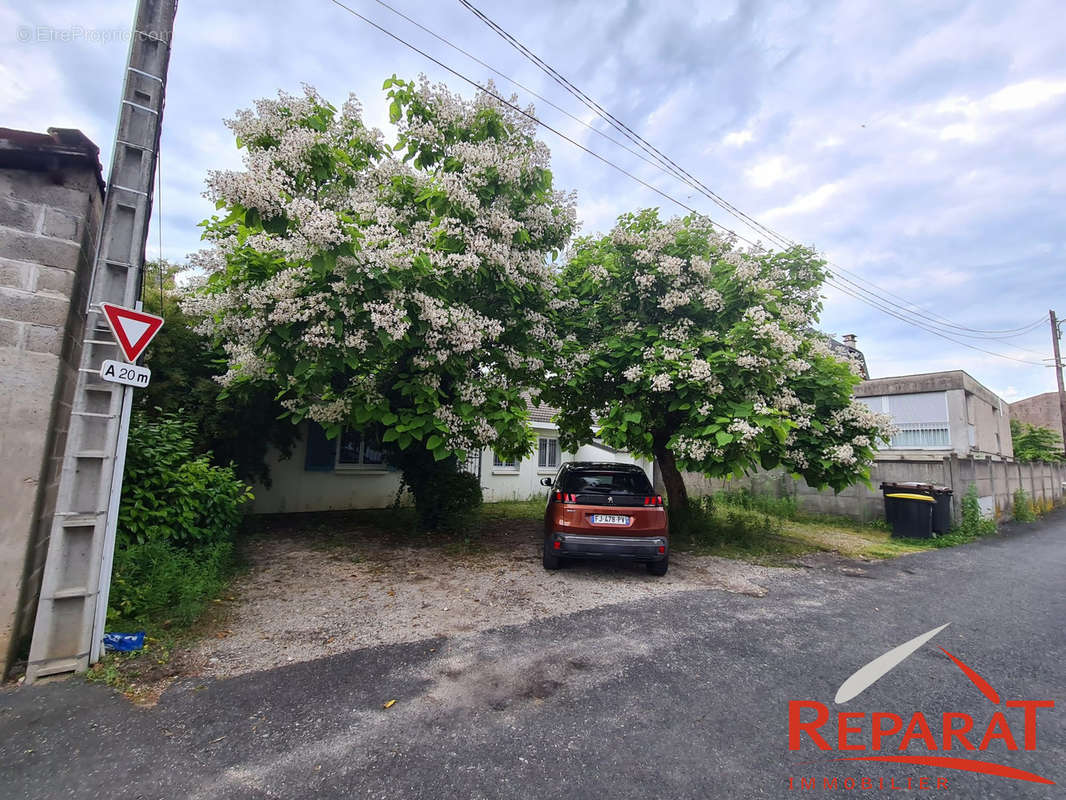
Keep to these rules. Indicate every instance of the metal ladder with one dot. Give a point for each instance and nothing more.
(72, 607)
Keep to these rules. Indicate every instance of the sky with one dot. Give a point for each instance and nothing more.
(918, 145)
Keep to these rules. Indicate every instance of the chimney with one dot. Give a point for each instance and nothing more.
(850, 339)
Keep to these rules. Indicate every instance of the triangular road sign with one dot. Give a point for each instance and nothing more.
(133, 329)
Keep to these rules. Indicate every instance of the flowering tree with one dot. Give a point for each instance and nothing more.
(686, 349)
(407, 296)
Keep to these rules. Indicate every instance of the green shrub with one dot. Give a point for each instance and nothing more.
(451, 503)
(170, 493)
(157, 581)
(176, 524)
(1023, 507)
(973, 523)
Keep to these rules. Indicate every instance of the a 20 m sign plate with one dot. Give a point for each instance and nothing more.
(129, 374)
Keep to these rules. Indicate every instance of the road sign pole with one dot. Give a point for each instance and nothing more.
(111, 531)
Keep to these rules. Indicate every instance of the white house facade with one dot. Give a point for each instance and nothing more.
(349, 472)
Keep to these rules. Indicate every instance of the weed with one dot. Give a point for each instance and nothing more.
(1023, 507)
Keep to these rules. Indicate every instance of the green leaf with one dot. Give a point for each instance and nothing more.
(723, 438)
(434, 442)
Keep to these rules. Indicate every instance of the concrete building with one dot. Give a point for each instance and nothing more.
(940, 413)
(1042, 410)
(51, 201)
(349, 472)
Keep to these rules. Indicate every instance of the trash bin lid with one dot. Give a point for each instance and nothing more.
(928, 487)
(908, 496)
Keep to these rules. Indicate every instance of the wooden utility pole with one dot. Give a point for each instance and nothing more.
(1058, 373)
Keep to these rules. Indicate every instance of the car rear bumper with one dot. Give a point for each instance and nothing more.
(637, 548)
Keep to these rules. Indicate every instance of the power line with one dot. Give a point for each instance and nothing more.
(620, 169)
(673, 168)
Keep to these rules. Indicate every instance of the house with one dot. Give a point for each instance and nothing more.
(940, 413)
(1042, 410)
(350, 471)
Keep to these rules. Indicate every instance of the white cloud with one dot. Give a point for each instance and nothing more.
(738, 138)
(767, 173)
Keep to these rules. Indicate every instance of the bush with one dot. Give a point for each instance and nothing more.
(973, 523)
(446, 499)
(171, 494)
(1023, 507)
(158, 581)
(176, 523)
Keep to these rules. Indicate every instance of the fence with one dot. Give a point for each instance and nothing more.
(996, 482)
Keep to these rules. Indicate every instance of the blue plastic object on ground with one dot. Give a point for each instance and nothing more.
(124, 642)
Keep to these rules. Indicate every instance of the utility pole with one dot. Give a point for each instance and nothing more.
(1058, 373)
(72, 605)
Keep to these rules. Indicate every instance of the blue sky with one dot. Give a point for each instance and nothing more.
(920, 145)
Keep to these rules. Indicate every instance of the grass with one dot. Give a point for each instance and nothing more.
(769, 530)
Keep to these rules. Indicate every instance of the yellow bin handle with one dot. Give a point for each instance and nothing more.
(924, 497)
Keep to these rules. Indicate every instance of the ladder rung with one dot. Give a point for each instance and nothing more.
(99, 341)
(75, 591)
(145, 74)
(79, 519)
(93, 454)
(142, 108)
(98, 387)
(128, 189)
(56, 666)
(92, 414)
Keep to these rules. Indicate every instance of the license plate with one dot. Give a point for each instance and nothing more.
(609, 519)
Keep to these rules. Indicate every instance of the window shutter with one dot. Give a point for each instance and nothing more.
(320, 450)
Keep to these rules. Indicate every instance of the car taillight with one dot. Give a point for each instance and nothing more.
(655, 500)
(565, 497)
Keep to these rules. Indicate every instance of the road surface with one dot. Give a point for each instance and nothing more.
(682, 696)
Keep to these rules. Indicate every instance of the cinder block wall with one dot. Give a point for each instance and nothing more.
(49, 220)
(996, 482)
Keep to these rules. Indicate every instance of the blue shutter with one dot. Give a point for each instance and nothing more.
(321, 451)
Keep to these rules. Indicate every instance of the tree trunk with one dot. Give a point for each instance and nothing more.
(676, 493)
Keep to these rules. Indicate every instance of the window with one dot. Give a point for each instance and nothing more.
(921, 419)
(358, 450)
(499, 463)
(547, 453)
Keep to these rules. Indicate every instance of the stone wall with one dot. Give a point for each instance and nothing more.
(50, 208)
(1041, 410)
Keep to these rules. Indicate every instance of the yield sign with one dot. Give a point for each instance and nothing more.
(133, 329)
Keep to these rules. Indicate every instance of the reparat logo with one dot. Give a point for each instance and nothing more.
(953, 732)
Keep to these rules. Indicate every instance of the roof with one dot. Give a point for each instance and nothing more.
(847, 351)
(48, 152)
(597, 465)
(541, 412)
(927, 382)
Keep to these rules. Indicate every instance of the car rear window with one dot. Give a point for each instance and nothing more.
(606, 482)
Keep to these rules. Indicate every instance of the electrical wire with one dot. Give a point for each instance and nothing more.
(674, 169)
(628, 174)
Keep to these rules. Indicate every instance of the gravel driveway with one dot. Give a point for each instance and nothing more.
(332, 588)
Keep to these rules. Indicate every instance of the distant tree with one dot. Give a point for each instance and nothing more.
(1035, 443)
(683, 348)
(236, 425)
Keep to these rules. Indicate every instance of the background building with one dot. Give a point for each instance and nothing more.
(941, 413)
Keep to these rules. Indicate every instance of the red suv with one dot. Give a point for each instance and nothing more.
(605, 511)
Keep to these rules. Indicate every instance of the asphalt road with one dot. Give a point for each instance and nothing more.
(684, 696)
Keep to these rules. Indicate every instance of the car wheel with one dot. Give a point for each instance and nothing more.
(549, 559)
(658, 567)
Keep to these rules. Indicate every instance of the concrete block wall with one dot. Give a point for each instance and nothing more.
(996, 481)
(49, 221)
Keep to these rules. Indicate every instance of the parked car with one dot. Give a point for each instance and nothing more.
(605, 510)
